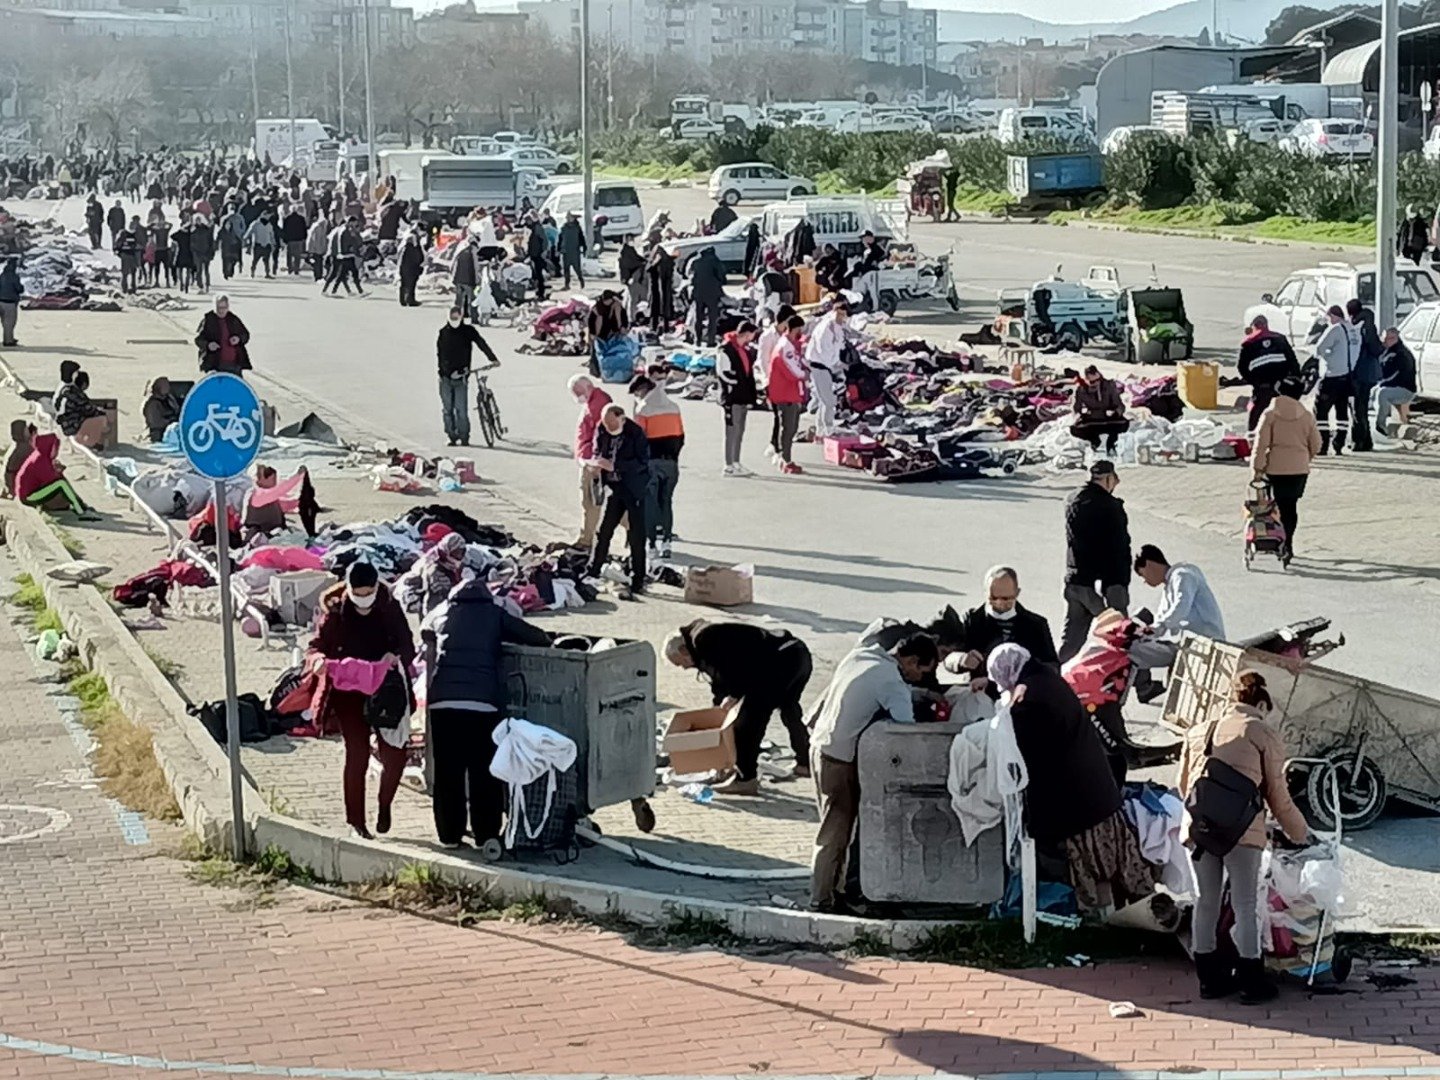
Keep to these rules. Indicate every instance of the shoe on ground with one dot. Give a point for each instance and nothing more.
(360, 832)
(791, 469)
(88, 515)
(663, 548)
(741, 470)
(456, 846)
(382, 820)
(1216, 975)
(1256, 986)
(452, 441)
(1147, 692)
(736, 786)
(624, 593)
(729, 470)
(801, 772)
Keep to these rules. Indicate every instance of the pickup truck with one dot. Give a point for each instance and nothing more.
(453, 186)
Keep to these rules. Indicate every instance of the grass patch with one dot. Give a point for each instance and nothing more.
(1000, 945)
(29, 595)
(1228, 220)
(257, 881)
(687, 930)
(653, 170)
(831, 182)
(978, 200)
(72, 545)
(47, 620)
(124, 757)
(167, 667)
(869, 943)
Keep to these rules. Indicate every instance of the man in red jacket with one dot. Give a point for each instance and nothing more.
(592, 401)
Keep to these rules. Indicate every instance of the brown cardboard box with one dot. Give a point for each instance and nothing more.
(111, 408)
(720, 586)
(701, 740)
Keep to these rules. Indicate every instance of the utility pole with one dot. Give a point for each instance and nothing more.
(1385, 194)
(289, 84)
(587, 186)
(1214, 22)
(610, 66)
(340, 55)
(254, 82)
(369, 96)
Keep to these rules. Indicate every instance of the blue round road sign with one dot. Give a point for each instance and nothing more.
(220, 426)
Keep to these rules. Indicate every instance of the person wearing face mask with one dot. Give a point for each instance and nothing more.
(453, 349)
(1001, 620)
(362, 634)
(622, 454)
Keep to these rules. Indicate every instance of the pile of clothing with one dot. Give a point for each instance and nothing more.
(58, 269)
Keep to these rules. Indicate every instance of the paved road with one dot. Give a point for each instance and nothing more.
(118, 967)
(834, 550)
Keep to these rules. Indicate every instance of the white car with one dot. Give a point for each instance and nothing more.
(1346, 139)
(1118, 137)
(541, 157)
(1297, 309)
(756, 180)
(1421, 331)
(1431, 149)
(1268, 132)
(699, 128)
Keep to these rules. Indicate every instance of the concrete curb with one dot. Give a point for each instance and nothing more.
(197, 771)
(1196, 234)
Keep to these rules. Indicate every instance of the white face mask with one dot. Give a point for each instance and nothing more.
(1002, 616)
(454, 321)
(363, 603)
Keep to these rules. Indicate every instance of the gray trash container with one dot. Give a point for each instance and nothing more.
(911, 846)
(604, 701)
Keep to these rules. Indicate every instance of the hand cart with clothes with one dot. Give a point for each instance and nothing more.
(923, 185)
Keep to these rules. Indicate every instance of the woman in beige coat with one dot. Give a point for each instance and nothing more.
(1244, 740)
(1285, 445)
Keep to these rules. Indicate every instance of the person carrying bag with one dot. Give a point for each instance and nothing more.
(1230, 771)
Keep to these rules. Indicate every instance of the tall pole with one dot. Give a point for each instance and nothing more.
(1389, 132)
(1214, 22)
(610, 66)
(232, 708)
(587, 187)
(369, 96)
(340, 56)
(254, 84)
(289, 84)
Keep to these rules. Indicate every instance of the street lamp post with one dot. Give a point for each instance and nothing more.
(587, 214)
(1387, 172)
(369, 96)
(289, 83)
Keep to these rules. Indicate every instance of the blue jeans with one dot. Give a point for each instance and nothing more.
(660, 499)
(455, 407)
(1386, 398)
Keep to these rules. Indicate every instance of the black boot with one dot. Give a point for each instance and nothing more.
(1256, 987)
(1217, 978)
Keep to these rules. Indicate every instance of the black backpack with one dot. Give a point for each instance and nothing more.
(391, 703)
(1222, 804)
(254, 719)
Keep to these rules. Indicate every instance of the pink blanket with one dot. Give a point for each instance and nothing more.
(284, 558)
(362, 676)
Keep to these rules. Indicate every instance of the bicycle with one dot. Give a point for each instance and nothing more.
(228, 425)
(489, 409)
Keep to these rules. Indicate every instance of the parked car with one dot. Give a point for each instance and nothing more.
(1118, 137)
(1297, 308)
(756, 180)
(1268, 132)
(698, 127)
(541, 157)
(1347, 139)
(1421, 331)
(1430, 150)
(729, 245)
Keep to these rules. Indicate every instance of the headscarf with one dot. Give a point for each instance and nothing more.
(1005, 665)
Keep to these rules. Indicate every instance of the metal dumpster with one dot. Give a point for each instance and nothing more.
(604, 700)
(911, 846)
(1035, 177)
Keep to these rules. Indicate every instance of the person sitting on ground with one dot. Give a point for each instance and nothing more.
(40, 481)
(870, 683)
(424, 587)
(1246, 741)
(263, 513)
(830, 270)
(222, 340)
(1072, 801)
(1099, 410)
(1187, 604)
(79, 417)
(1001, 620)
(761, 670)
(162, 408)
(22, 438)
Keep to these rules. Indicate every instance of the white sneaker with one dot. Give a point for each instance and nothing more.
(729, 470)
(740, 470)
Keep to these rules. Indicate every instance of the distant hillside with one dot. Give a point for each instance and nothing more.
(1246, 21)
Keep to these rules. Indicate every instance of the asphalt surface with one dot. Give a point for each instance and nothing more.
(834, 550)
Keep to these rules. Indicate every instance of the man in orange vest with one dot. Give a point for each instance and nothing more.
(659, 417)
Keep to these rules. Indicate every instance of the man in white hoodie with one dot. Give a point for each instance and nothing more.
(827, 370)
(1338, 351)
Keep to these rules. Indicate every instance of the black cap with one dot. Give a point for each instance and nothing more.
(1102, 468)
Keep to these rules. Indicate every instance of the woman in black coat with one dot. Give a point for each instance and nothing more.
(222, 339)
(1072, 800)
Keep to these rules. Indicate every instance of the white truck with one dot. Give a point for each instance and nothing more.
(272, 137)
(407, 166)
(453, 186)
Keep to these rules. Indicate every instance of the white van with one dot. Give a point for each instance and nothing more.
(841, 220)
(614, 200)
(1017, 125)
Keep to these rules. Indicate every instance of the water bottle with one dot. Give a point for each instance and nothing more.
(698, 793)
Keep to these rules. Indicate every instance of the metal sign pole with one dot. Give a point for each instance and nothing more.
(232, 707)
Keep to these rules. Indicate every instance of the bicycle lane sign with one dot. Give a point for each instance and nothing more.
(221, 426)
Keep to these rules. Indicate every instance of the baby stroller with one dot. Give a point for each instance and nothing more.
(1264, 534)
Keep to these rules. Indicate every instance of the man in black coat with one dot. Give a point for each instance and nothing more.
(466, 701)
(707, 286)
(535, 253)
(292, 234)
(1097, 555)
(1001, 620)
(765, 670)
(454, 346)
(660, 269)
(572, 247)
(1265, 358)
(94, 221)
(115, 220)
(412, 264)
(622, 454)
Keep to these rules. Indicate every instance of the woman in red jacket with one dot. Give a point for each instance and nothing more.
(786, 390)
(362, 634)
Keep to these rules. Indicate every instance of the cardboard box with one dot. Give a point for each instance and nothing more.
(111, 409)
(295, 595)
(720, 586)
(701, 740)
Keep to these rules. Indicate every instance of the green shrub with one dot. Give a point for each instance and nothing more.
(1151, 171)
